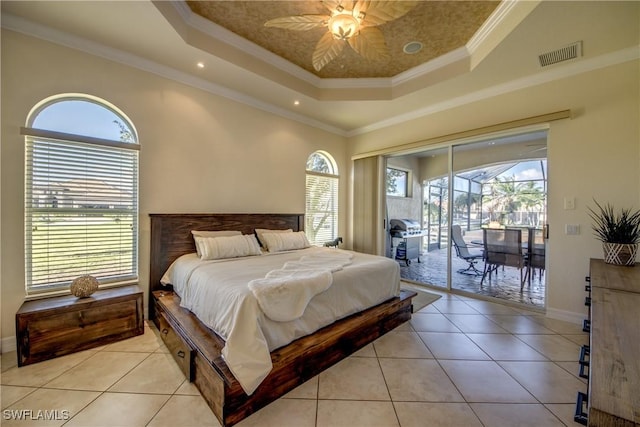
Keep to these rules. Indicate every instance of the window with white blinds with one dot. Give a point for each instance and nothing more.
(321, 213)
(81, 196)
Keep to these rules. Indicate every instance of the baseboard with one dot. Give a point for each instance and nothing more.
(8, 344)
(567, 316)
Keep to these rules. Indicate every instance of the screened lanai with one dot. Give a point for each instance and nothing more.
(503, 195)
(466, 189)
(509, 194)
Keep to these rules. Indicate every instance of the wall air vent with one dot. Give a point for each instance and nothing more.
(566, 53)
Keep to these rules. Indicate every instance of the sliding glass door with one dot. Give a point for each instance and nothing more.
(499, 200)
(455, 193)
(436, 224)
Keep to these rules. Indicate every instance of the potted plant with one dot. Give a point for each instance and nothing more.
(618, 231)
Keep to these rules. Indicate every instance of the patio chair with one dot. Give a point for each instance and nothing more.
(503, 247)
(462, 251)
(536, 252)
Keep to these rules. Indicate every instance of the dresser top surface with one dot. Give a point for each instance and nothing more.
(71, 300)
(617, 277)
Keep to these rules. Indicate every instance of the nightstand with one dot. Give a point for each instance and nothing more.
(53, 327)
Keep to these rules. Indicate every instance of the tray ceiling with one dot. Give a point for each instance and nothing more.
(168, 38)
(441, 27)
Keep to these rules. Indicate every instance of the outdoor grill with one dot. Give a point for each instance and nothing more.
(409, 231)
(405, 228)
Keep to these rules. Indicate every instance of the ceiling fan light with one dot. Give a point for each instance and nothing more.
(343, 26)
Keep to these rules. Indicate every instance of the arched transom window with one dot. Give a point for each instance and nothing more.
(81, 193)
(321, 215)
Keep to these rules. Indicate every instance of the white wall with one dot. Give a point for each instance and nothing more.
(199, 152)
(204, 153)
(595, 154)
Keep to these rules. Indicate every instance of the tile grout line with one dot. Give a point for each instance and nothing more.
(384, 378)
(547, 360)
(437, 360)
(317, 399)
(502, 368)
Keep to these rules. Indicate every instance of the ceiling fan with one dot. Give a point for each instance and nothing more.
(349, 22)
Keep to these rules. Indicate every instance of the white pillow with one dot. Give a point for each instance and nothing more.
(229, 246)
(198, 234)
(216, 233)
(276, 242)
(261, 231)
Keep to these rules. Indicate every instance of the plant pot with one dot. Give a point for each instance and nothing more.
(620, 253)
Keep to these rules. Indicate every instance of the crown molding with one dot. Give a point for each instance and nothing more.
(211, 29)
(546, 76)
(29, 28)
(428, 67)
(221, 34)
(498, 16)
(230, 38)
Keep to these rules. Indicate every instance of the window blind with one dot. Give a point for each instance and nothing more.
(321, 216)
(81, 212)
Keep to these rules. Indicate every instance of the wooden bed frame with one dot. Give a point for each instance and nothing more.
(197, 349)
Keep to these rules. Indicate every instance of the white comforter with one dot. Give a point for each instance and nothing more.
(283, 295)
(217, 292)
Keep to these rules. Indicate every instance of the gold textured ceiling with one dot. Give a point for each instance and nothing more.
(441, 26)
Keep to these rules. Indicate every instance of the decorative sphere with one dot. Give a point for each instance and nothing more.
(84, 286)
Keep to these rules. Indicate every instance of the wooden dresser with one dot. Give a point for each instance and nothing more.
(57, 326)
(614, 359)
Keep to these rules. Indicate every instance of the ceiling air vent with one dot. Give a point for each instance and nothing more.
(566, 53)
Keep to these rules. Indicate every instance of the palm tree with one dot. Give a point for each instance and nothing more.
(463, 206)
(533, 201)
(505, 198)
(392, 176)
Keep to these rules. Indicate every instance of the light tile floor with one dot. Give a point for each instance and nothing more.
(459, 362)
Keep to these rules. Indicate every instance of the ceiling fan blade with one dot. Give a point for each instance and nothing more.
(327, 49)
(298, 22)
(370, 44)
(379, 12)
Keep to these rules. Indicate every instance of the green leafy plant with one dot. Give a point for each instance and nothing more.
(615, 227)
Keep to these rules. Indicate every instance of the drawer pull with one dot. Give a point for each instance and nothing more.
(580, 415)
(584, 362)
(165, 331)
(181, 354)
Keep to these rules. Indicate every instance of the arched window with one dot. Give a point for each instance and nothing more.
(321, 216)
(81, 193)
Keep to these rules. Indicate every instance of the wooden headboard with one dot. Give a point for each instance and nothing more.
(171, 235)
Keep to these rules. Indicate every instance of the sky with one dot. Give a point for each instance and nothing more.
(80, 117)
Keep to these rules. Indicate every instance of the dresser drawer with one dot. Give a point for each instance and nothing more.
(180, 350)
(56, 332)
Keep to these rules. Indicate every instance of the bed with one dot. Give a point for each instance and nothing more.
(199, 351)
